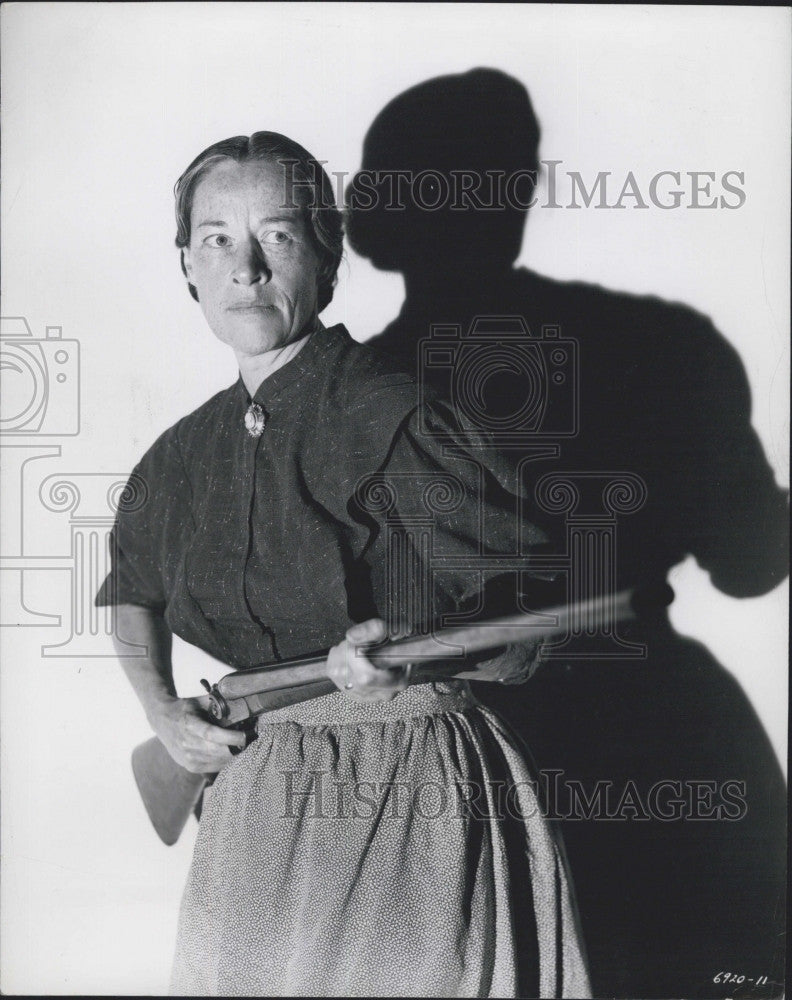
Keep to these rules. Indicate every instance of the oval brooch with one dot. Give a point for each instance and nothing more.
(255, 420)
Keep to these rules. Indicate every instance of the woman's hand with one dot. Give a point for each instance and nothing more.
(357, 676)
(514, 664)
(193, 742)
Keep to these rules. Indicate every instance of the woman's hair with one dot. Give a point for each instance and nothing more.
(308, 185)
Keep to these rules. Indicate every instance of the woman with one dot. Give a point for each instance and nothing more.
(356, 847)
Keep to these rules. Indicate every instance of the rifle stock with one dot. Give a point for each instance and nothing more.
(170, 792)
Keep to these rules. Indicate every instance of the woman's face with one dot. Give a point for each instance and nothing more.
(252, 261)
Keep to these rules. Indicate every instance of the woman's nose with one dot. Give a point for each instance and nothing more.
(250, 266)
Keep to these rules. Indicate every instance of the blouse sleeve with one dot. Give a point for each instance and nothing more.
(141, 536)
(449, 533)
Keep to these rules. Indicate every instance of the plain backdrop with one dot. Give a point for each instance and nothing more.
(103, 106)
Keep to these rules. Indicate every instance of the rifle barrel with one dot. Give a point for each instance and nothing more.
(456, 642)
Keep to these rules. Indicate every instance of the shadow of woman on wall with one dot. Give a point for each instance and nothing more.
(691, 881)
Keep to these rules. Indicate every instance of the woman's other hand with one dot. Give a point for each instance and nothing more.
(355, 675)
(193, 742)
(514, 664)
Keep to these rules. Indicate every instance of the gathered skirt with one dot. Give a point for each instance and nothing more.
(379, 849)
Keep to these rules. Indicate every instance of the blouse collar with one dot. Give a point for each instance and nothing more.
(303, 365)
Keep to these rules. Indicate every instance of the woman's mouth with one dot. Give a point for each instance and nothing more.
(251, 307)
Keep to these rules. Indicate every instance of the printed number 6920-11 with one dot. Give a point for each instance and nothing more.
(733, 977)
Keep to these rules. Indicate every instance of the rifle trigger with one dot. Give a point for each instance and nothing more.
(250, 734)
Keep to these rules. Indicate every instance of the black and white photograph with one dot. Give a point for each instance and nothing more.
(394, 442)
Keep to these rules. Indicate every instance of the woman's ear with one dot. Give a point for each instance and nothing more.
(186, 267)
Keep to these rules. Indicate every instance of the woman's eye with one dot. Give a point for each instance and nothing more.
(219, 240)
(277, 236)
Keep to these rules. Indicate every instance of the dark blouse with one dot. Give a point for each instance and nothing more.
(354, 502)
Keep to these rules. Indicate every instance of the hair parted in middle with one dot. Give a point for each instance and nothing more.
(306, 185)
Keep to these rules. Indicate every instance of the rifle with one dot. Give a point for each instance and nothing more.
(170, 792)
